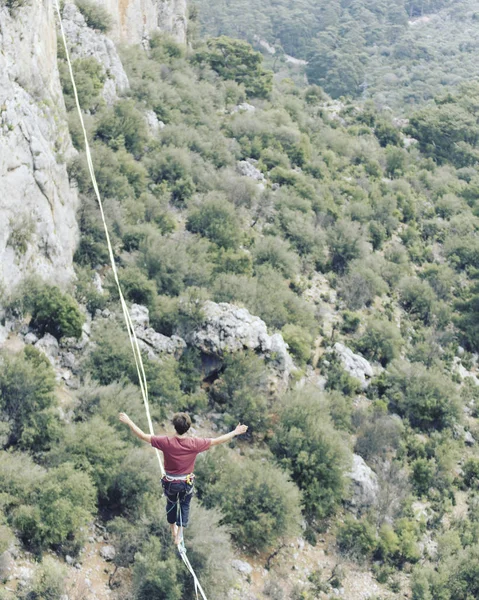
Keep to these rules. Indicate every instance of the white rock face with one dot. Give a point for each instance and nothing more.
(135, 20)
(247, 169)
(227, 328)
(85, 42)
(355, 365)
(38, 229)
(151, 341)
(242, 566)
(108, 553)
(365, 486)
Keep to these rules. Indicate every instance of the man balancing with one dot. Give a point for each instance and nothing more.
(180, 452)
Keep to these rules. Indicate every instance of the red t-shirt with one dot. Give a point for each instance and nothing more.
(180, 453)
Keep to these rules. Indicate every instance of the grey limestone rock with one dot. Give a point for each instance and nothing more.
(242, 566)
(355, 365)
(108, 553)
(85, 42)
(134, 20)
(49, 346)
(247, 169)
(243, 107)
(38, 229)
(227, 328)
(365, 487)
(151, 341)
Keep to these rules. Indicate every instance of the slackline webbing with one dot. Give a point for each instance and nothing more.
(126, 313)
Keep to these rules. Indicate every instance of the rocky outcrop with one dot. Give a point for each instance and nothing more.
(248, 169)
(153, 343)
(38, 230)
(227, 328)
(364, 485)
(84, 42)
(135, 20)
(354, 364)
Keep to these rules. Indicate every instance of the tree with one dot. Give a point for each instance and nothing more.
(27, 383)
(425, 396)
(307, 445)
(56, 313)
(216, 220)
(236, 60)
(381, 341)
(258, 502)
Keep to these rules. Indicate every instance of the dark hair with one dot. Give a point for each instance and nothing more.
(181, 422)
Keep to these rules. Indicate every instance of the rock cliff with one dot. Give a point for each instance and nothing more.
(38, 230)
(134, 20)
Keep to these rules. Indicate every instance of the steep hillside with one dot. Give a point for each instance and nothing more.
(398, 53)
(301, 264)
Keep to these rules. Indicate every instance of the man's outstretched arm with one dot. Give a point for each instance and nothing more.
(240, 429)
(145, 437)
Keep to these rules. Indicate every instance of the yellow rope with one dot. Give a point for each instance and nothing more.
(126, 313)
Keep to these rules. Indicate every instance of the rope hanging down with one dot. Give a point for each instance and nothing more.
(126, 313)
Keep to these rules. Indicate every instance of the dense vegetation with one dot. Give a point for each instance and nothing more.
(343, 216)
(398, 52)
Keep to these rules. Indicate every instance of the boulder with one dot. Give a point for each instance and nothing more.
(243, 107)
(364, 483)
(3, 335)
(49, 346)
(227, 328)
(242, 566)
(140, 315)
(107, 553)
(247, 169)
(354, 364)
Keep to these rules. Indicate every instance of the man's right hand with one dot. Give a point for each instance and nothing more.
(240, 429)
(124, 418)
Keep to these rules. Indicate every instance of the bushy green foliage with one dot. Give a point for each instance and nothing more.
(306, 443)
(96, 17)
(299, 341)
(216, 220)
(241, 390)
(381, 341)
(27, 400)
(123, 125)
(89, 78)
(425, 396)
(47, 508)
(356, 538)
(258, 502)
(236, 60)
(55, 312)
(49, 582)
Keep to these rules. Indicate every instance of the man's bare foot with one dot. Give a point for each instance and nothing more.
(174, 532)
(179, 535)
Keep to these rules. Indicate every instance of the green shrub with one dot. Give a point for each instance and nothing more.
(241, 390)
(258, 502)
(305, 443)
(381, 341)
(27, 384)
(47, 508)
(417, 298)
(356, 538)
(299, 341)
(216, 220)
(278, 254)
(236, 60)
(346, 243)
(49, 581)
(89, 78)
(471, 472)
(96, 17)
(123, 125)
(425, 396)
(56, 313)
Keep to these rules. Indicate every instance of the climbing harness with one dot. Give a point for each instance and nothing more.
(126, 313)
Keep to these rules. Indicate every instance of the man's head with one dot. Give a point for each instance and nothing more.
(181, 422)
